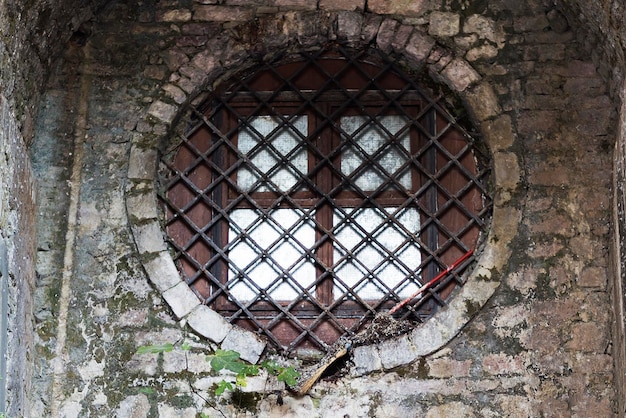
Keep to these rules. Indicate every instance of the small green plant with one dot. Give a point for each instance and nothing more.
(230, 360)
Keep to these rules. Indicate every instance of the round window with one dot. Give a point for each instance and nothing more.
(307, 195)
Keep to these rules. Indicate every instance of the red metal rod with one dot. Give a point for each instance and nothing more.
(432, 282)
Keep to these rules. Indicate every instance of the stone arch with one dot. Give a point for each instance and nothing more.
(417, 49)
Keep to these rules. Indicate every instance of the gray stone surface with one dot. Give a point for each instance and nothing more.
(209, 323)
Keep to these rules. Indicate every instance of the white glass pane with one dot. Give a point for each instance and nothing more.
(371, 139)
(369, 255)
(262, 236)
(283, 140)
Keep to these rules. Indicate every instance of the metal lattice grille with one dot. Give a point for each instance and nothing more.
(312, 193)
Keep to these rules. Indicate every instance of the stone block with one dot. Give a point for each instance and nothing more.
(451, 409)
(342, 5)
(149, 238)
(297, 4)
(181, 299)
(177, 361)
(143, 363)
(349, 25)
(399, 7)
(482, 102)
(396, 352)
(142, 207)
(484, 27)
(427, 337)
(176, 15)
(213, 13)
(366, 360)
(142, 163)
(386, 33)
(162, 272)
(175, 92)
(444, 24)
(459, 75)
(246, 343)
(498, 133)
(506, 170)
(165, 112)
(208, 323)
(401, 37)
(531, 23)
(538, 121)
(135, 406)
(168, 411)
(370, 28)
(418, 47)
(483, 52)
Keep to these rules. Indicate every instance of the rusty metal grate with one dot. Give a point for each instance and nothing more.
(307, 195)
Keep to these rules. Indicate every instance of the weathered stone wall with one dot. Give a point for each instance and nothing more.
(31, 34)
(606, 35)
(541, 345)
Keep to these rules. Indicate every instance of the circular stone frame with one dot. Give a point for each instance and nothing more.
(419, 51)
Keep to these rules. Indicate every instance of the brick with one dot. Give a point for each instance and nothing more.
(593, 277)
(502, 364)
(530, 23)
(447, 368)
(544, 121)
(588, 337)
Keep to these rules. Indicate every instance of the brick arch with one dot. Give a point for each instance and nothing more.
(299, 31)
